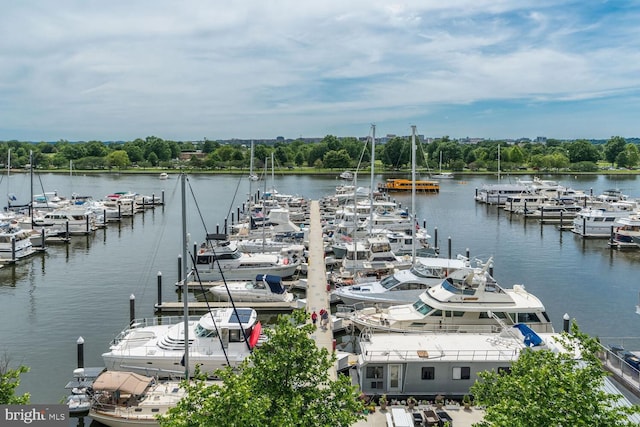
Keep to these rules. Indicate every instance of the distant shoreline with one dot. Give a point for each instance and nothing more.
(336, 173)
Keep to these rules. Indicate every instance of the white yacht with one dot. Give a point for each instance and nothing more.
(265, 288)
(475, 304)
(124, 399)
(626, 232)
(15, 242)
(74, 220)
(599, 221)
(222, 337)
(403, 286)
(219, 257)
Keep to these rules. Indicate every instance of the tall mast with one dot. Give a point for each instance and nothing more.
(413, 194)
(373, 160)
(185, 294)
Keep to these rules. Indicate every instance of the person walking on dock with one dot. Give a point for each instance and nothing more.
(314, 317)
(324, 318)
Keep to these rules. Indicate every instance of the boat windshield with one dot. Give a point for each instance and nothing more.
(389, 282)
(203, 332)
(421, 307)
(422, 270)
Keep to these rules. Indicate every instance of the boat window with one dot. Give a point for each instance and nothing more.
(461, 373)
(374, 372)
(428, 373)
(389, 282)
(421, 307)
(528, 318)
(409, 286)
(235, 336)
(456, 313)
(204, 259)
(204, 332)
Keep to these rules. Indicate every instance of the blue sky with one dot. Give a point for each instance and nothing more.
(182, 70)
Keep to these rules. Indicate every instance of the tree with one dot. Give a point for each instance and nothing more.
(337, 159)
(613, 147)
(9, 382)
(118, 159)
(285, 382)
(397, 152)
(546, 388)
(582, 151)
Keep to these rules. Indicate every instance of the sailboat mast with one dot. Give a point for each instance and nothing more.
(498, 161)
(413, 193)
(183, 178)
(373, 160)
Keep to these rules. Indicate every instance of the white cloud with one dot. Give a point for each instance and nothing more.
(121, 70)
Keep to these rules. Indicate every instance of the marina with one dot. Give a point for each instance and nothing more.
(89, 282)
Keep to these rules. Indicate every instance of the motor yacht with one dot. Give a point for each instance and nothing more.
(222, 337)
(218, 257)
(265, 288)
(474, 304)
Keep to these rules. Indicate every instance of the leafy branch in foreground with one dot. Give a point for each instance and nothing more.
(285, 382)
(546, 388)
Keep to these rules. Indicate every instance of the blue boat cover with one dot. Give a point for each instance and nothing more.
(274, 282)
(531, 339)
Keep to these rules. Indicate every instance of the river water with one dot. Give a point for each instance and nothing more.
(83, 289)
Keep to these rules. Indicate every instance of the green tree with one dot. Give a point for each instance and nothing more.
(118, 159)
(337, 159)
(285, 382)
(397, 152)
(582, 150)
(546, 388)
(613, 147)
(9, 382)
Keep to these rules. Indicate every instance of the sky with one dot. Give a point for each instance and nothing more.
(188, 70)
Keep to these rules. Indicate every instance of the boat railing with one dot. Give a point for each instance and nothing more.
(470, 355)
(151, 321)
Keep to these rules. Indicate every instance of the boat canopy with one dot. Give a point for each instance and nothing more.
(274, 282)
(125, 382)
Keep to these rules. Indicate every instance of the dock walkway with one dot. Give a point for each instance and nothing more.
(317, 291)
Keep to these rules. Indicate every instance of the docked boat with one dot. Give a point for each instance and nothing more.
(219, 257)
(497, 194)
(164, 176)
(265, 288)
(402, 365)
(222, 337)
(598, 221)
(626, 232)
(403, 286)
(79, 398)
(474, 304)
(73, 220)
(557, 210)
(405, 185)
(125, 399)
(15, 242)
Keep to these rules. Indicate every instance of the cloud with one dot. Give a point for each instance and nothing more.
(121, 70)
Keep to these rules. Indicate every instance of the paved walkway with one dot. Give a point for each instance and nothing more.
(317, 293)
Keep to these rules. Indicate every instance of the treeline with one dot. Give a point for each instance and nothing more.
(330, 153)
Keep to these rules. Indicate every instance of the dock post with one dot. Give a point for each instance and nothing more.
(238, 213)
(424, 223)
(435, 237)
(561, 220)
(468, 254)
(491, 269)
(13, 248)
(132, 308)
(86, 223)
(159, 288)
(217, 228)
(232, 218)
(162, 197)
(44, 240)
(611, 236)
(66, 226)
(104, 217)
(119, 211)
(225, 226)
(80, 352)
(565, 322)
(153, 200)
(449, 247)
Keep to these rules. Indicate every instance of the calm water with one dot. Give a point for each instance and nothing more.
(83, 289)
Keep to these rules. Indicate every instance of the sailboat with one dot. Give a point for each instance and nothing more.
(440, 174)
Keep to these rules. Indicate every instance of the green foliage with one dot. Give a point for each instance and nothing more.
(9, 382)
(285, 382)
(551, 389)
